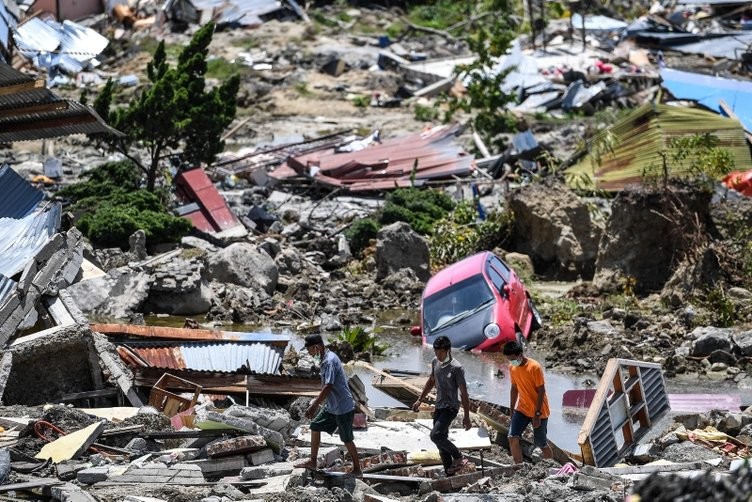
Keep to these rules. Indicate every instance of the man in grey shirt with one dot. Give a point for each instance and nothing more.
(448, 376)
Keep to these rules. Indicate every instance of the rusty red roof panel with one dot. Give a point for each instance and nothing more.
(386, 165)
(195, 186)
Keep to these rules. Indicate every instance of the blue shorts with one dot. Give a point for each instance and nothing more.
(520, 422)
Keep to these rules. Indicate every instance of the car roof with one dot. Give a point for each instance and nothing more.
(456, 272)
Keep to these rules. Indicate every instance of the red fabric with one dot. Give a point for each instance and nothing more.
(741, 181)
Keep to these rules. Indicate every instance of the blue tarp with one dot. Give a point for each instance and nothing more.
(710, 91)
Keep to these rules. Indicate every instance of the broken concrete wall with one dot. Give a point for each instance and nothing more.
(53, 268)
(47, 368)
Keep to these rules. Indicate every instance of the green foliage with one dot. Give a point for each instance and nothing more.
(111, 225)
(103, 180)
(420, 208)
(426, 113)
(722, 310)
(484, 97)
(174, 113)
(222, 69)
(361, 101)
(361, 340)
(302, 89)
(112, 207)
(360, 233)
(395, 30)
(460, 234)
(439, 14)
(700, 154)
(559, 311)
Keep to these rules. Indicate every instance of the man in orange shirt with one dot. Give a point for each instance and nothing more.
(528, 401)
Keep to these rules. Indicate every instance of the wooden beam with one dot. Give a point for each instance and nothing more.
(185, 334)
(26, 110)
(18, 88)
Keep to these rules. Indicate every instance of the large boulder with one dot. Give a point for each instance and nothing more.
(552, 225)
(398, 246)
(243, 265)
(648, 233)
(710, 339)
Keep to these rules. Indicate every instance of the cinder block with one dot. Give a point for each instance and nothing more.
(54, 244)
(330, 455)
(93, 475)
(261, 457)
(266, 471)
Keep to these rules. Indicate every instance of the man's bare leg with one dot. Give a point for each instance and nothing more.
(514, 447)
(312, 463)
(353, 451)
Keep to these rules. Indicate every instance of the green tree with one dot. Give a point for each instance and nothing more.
(485, 97)
(174, 114)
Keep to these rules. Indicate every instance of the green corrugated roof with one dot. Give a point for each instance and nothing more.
(637, 140)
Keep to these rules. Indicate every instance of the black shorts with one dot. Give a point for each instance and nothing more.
(329, 422)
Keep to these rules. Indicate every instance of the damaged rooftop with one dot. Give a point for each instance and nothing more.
(192, 187)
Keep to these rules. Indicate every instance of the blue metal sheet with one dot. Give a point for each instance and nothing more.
(710, 91)
(258, 358)
(7, 286)
(19, 197)
(21, 239)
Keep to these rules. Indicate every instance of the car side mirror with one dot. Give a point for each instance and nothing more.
(415, 331)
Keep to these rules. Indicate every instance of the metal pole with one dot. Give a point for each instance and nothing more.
(542, 7)
(582, 13)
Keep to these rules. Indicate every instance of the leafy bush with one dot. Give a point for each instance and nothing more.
(360, 340)
(360, 234)
(426, 113)
(112, 207)
(111, 220)
(420, 208)
(460, 234)
(103, 180)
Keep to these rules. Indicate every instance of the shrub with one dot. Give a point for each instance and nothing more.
(360, 234)
(360, 340)
(420, 208)
(104, 180)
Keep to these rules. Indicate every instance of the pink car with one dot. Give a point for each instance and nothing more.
(479, 303)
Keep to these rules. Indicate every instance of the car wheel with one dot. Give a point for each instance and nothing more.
(537, 322)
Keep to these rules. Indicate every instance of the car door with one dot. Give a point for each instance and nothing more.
(517, 297)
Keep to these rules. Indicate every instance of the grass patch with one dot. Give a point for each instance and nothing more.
(303, 89)
(426, 113)
(222, 69)
(246, 42)
(440, 14)
(361, 101)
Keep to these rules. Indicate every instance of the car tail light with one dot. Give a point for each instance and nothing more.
(491, 330)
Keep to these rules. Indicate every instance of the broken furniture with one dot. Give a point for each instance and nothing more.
(630, 398)
(169, 403)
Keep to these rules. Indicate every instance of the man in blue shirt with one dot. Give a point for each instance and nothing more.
(340, 407)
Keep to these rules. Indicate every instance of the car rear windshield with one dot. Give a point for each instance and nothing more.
(456, 301)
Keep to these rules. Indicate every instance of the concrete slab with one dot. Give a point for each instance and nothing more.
(398, 436)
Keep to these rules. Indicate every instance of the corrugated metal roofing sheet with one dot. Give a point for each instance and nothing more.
(215, 215)
(49, 44)
(7, 286)
(710, 91)
(21, 239)
(33, 112)
(729, 47)
(388, 164)
(19, 197)
(641, 138)
(226, 357)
